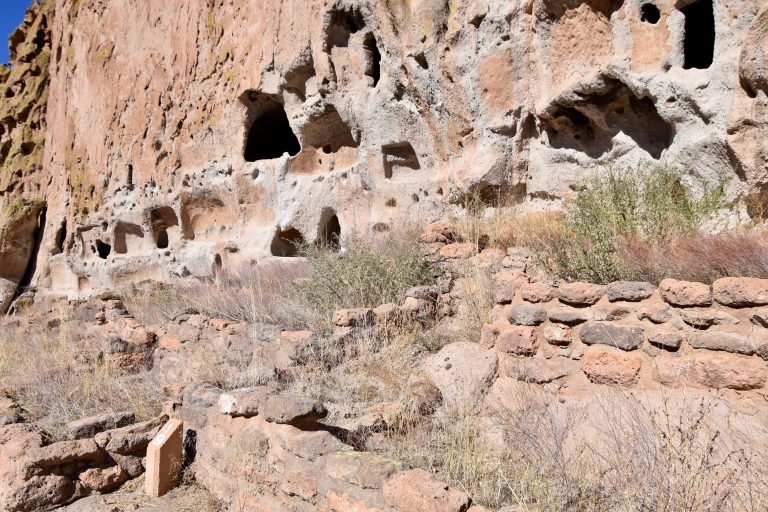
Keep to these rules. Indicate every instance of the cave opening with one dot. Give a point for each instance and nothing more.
(103, 249)
(161, 220)
(162, 239)
(649, 13)
(373, 58)
(286, 244)
(270, 135)
(329, 234)
(699, 42)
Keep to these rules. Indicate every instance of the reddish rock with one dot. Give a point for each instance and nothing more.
(339, 501)
(520, 340)
(537, 292)
(490, 332)
(363, 469)
(685, 293)
(438, 232)
(458, 251)
(419, 491)
(504, 285)
(706, 369)
(608, 365)
(360, 317)
(103, 479)
(739, 292)
(580, 294)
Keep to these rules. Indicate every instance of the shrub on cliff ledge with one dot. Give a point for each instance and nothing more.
(649, 205)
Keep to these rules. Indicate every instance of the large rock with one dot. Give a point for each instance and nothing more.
(632, 291)
(89, 427)
(685, 293)
(580, 294)
(608, 365)
(505, 284)
(716, 370)
(419, 491)
(739, 292)
(520, 340)
(625, 338)
(725, 341)
(462, 372)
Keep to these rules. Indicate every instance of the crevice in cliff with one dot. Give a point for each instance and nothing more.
(286, 244)
(699, 43)
(372, 58)
(29, 272)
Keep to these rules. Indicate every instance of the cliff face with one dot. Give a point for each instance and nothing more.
(184, 136)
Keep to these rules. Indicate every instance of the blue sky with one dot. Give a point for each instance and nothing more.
(11, 14)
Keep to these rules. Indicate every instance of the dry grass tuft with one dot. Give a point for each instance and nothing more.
(58, 378)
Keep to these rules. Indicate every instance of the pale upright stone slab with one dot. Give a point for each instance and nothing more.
(164, 457)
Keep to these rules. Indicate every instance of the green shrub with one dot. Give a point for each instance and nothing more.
(367, 274)
(649, 204)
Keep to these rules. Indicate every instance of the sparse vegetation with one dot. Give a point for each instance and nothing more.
(646, 204)
(59, 378)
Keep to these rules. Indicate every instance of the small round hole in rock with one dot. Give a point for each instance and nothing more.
(649, 13)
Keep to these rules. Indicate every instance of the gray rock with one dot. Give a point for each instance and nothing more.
(625, 338)
(292, 410)
(568, 316)
(524, 314)
(724, 341)
(630, 291)
(89, 427)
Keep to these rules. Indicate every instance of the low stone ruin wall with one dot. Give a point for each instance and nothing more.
(99, 455)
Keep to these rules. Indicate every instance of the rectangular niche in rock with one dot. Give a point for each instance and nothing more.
(699, 43)
(399, 157)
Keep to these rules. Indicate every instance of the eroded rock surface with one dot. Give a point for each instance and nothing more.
(191, 138)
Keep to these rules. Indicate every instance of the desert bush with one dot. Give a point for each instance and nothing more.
(647, 204)
(366, 274)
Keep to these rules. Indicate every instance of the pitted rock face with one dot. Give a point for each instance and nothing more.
(179, 138)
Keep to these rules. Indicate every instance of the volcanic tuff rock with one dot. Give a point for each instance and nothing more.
(178, 138)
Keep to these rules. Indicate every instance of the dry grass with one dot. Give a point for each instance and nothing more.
(59, 378)
(608, 453)
(699, 256)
